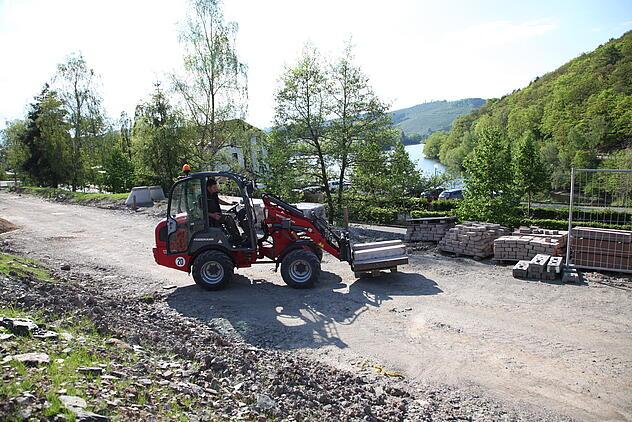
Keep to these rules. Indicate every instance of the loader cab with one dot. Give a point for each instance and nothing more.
(189, 229)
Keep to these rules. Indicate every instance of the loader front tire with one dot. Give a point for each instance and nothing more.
(212, 270)
(300, 269)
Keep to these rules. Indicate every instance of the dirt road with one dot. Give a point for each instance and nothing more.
(566, 349)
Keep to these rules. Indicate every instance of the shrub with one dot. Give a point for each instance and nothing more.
(424, 214)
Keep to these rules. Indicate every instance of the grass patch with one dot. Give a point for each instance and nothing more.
(75, 197)
(86, 348)
(23, 267)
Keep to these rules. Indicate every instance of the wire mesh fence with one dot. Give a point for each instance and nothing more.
(600, 220)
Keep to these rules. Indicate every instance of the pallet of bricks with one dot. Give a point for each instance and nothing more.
(527, 242)
(605, 249)
(430, 229)
(472, 239)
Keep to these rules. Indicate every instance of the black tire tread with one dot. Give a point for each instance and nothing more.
(223, 259)
(308, 256)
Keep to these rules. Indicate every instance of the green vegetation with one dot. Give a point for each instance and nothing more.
(490, 193)
(80, 346)
(64, 195)
(23, 267)
(580, 115)
(328, 124)
(419, 121)
(66, 140)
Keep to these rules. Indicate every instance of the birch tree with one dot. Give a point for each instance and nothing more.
(214, 84)
(302, 110)
(76, 84)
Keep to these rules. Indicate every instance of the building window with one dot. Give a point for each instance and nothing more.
(235, 156)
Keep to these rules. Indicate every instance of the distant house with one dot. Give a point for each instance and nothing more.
(245, 151)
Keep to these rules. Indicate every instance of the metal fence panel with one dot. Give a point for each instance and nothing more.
(600, 197)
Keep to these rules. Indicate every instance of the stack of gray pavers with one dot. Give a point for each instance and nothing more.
(527, 242)
(540, 267)
(430, 229)
(472, 239)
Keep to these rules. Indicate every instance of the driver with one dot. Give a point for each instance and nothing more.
(216, 218)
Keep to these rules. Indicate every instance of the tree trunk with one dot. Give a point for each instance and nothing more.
(323, 174)
(529, 204)
(343, 168)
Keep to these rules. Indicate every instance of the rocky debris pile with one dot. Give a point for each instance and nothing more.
(431, 229)
(6, 226)
(25, 326)
(527, 242)
(472, 239)
(214, 377)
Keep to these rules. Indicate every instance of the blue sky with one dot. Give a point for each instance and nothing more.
(412, 51)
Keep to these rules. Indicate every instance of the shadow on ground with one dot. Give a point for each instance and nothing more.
(277, 316)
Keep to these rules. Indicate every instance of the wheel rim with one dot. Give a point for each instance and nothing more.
(212, 272)
(300, 271)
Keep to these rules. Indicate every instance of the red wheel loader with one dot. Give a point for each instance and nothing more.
(288, 237)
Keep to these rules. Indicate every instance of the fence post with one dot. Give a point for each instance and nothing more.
(570, 219)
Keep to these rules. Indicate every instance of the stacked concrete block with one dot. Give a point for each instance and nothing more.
(554, 267)
(541, 267)
(520, 269)
(472, 239)
(431, 229)
(527, 242)
(537, 266)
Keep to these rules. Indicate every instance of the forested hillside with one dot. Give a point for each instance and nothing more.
(423, 119)
(580, 116)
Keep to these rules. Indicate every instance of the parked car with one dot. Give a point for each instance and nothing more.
(432, 194)
(451, 194)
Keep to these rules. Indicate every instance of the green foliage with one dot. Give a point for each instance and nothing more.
(285, 172)
(605, 216)
(563, 225)
(327, 120)
(45, 142)
(213, 86)
(402, 177)
(489, 195)
(425, 214)
(432, 145)
(581, 112)
(23, 267)
(160, 143)
(119, 172)
(15, 151)
(63, 195)
(529, 173)
(370, 171)
(75, 82)
(372, 214)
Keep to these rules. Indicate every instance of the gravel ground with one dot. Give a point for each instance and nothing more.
(459, 336)
(236, 380)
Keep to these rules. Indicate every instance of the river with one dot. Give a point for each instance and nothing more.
(424, 165)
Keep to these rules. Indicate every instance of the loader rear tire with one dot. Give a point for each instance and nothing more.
(212, 270)
(300, 269)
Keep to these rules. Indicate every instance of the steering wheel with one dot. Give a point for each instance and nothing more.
(233, 209)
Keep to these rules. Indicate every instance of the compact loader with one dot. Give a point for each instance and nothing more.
(288, 237)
